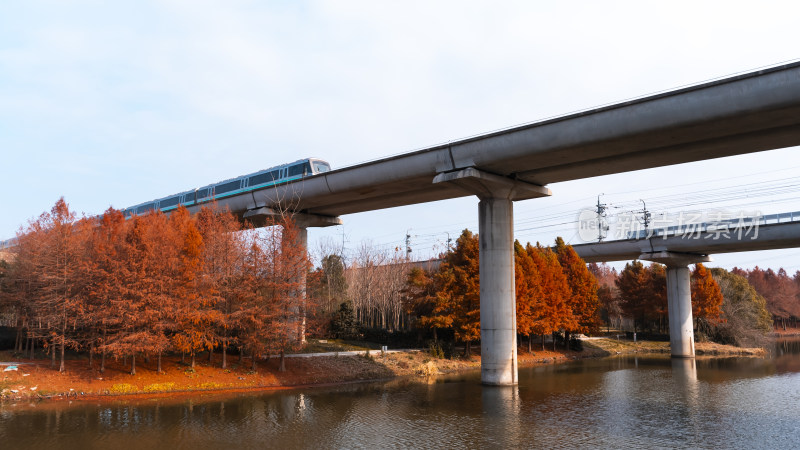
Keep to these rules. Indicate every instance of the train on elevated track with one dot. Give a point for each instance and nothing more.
(264, 178)
(284, 173)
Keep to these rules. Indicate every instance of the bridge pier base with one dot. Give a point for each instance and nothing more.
(498, 296)
(496, 239)
(679, 306)
(679, 299)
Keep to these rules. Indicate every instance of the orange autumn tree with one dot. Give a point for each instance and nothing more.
(554, 313)
(530, 299)
(197, 316)
(139, 311)
(252, 308)
(607, 293)
(459, 294)
(706, 299)
(421, 301)
(270, 300)
(58, 240)
(583, 301)
(643, 295)
(285, 287)
(224, 246)
(107, 272)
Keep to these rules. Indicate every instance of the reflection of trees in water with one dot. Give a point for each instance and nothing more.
(615, 402)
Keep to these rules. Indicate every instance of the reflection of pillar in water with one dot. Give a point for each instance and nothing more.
(501, 409)
(684, 373)
(289, 406)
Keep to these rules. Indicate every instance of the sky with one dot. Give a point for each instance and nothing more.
(116, 103)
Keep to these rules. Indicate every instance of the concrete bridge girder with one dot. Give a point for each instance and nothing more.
(496, 239)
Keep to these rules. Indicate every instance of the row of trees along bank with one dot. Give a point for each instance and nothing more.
(725, 307)
(554, 292)
(180, 283)
(153, 284)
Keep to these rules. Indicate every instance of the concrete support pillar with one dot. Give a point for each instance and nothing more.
(496, 237)
(498, 298)
(679, 303)
(679, 298)
(299, 240)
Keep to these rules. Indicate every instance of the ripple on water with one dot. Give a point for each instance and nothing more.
(621, 402)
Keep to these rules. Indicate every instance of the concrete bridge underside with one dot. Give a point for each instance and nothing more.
(677, 252)
(741, 114)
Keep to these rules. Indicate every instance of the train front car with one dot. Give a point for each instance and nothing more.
(319, 166)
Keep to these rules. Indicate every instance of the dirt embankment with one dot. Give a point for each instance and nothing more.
(621, 347)
(780, 333)
(35, 380)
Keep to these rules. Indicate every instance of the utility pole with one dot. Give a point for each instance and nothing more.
(602, 225)
(645, 218)
(408, 244)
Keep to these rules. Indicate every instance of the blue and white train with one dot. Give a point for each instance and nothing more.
(234, 186)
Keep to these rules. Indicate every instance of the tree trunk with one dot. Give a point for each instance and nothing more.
(554, 342)
(253, 361)
(91, 355)
(53, 355)
(467, 349)
(133, 365)
(282, 365)
(33, 349)
(17, 346)
(159, 362)
(435, 337)
(224, 355)
(103, 353)
(62, 368)
(192, 359)
(210, 355)
(183, 357)
(530, 343)
(542, 342)
(566, 340)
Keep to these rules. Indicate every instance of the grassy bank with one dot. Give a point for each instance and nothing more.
(611, 346)
(35, 380)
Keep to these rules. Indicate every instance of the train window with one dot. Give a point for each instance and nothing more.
(266, 177)
(172, 201)
(144, 208)
(202, 193)
(300, 169)
(188, 198)
(227, 187)
(295, 170)
(321, 167)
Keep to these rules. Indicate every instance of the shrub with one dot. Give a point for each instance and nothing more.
(435, 350)
(159, 387)
(428, 369)
(123, 388)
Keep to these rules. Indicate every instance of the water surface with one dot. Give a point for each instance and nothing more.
(614, 402)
